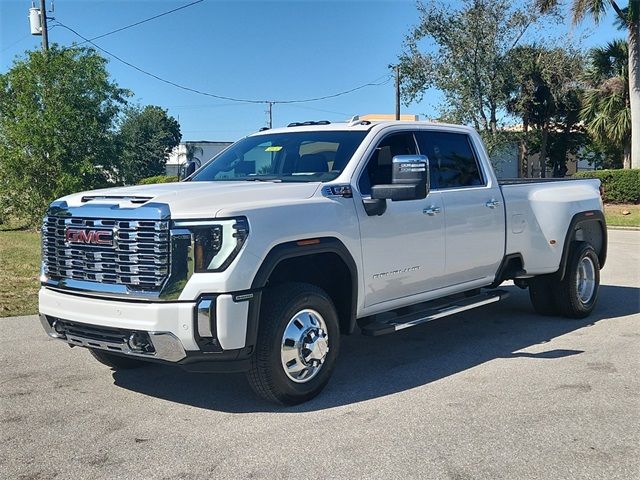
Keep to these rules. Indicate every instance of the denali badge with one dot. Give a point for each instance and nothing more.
(396, 272)
(89, 237)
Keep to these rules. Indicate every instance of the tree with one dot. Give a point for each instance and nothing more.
(468, 64)
(546, 96)
(57, 111)
(147, 136)
(629, 19)
(606, 111)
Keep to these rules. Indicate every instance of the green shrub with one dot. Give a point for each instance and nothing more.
(158, 179)
(620, 186)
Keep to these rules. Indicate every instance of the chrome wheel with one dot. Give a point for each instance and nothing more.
(586, 280)
(305, 344)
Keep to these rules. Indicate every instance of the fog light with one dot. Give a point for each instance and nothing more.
(138, 342)
(58, 327)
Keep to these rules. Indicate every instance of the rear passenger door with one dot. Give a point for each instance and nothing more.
(473, 210)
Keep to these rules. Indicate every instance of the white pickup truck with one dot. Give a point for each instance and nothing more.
(262, 258)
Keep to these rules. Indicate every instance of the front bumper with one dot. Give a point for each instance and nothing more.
(169, 331)
(163, 346)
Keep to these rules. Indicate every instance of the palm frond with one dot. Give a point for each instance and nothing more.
(592, 8)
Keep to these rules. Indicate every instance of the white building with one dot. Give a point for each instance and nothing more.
(202, 151)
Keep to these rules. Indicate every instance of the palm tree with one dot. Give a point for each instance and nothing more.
(606, 109)
(544, 94)
(191, 151)
(629, 19)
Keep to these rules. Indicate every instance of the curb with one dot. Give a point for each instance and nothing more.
(616, 227)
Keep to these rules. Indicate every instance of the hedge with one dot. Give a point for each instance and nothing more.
(620, 186)
(158, 179)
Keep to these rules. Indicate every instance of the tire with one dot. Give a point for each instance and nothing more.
(294, 316)
(543, 296)
(577, 294)
(116, 362)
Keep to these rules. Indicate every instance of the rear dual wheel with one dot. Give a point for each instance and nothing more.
(576, 295)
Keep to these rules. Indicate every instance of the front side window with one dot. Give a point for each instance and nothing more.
(378, 171)
(314, 156)
(452, 161)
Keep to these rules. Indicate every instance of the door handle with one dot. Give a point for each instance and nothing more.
(432, 210)
(493, 203)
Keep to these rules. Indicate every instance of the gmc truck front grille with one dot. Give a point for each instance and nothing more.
(133, 253)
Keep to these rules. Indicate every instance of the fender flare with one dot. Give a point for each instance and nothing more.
(576, 221)
(301, 248)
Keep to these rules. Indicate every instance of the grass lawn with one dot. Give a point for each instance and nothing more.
(19, 272)
(613, 214)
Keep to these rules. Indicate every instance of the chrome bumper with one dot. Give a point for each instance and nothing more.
(166, 346)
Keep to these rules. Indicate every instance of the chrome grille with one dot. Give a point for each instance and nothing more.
(138, 258)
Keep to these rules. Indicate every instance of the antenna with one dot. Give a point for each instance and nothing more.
(355, 120)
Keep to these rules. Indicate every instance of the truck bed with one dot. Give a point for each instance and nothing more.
(519, 181)
(538, 212)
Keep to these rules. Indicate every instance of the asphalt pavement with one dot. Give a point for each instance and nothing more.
(494, 393)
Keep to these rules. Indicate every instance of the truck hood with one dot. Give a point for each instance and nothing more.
(196, 199)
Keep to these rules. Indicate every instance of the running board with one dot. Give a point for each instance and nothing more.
(423, 316)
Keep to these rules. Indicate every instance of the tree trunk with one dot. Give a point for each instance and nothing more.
(634, 92)
(493, 122)
(626, 159)
(542, 160)
(560, 161)
(523, 164)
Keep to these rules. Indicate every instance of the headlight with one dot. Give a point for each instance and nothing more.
(215, 242)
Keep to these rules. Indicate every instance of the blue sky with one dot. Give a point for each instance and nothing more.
(271, 50)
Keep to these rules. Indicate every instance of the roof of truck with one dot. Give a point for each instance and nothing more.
(361, 125)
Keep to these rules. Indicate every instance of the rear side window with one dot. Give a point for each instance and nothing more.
(452, 160)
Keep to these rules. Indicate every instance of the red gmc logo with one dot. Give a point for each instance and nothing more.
(89, 237)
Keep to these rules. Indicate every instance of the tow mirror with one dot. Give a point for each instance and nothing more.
(409, 179)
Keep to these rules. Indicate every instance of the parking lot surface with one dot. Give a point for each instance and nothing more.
(494, 393)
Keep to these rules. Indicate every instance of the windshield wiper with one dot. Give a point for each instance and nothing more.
(262, 179)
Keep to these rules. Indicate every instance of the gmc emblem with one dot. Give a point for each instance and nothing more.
(89, 237)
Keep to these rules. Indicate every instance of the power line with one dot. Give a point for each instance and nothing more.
(375, 82)
(142, 21)
(322, 110)
(15, 43)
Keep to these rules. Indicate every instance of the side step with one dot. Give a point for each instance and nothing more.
(433, 313)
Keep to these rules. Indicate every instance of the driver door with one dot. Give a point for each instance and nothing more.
(402, 249)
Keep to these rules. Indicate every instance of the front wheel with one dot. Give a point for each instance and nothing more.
(297, 345)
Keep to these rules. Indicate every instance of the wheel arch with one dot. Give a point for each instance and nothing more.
(334, 270)
(589, 226)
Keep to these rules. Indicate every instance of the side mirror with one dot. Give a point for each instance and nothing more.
(409, 179)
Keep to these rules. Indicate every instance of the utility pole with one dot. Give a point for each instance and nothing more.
(38, 23)
(270, 104)
(45, 32)
(397, 92)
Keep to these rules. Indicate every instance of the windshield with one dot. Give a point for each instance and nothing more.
(314, 156)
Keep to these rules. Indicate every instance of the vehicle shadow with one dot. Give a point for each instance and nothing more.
(371, 367)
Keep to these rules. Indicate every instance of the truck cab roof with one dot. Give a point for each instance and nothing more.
(360, 125)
